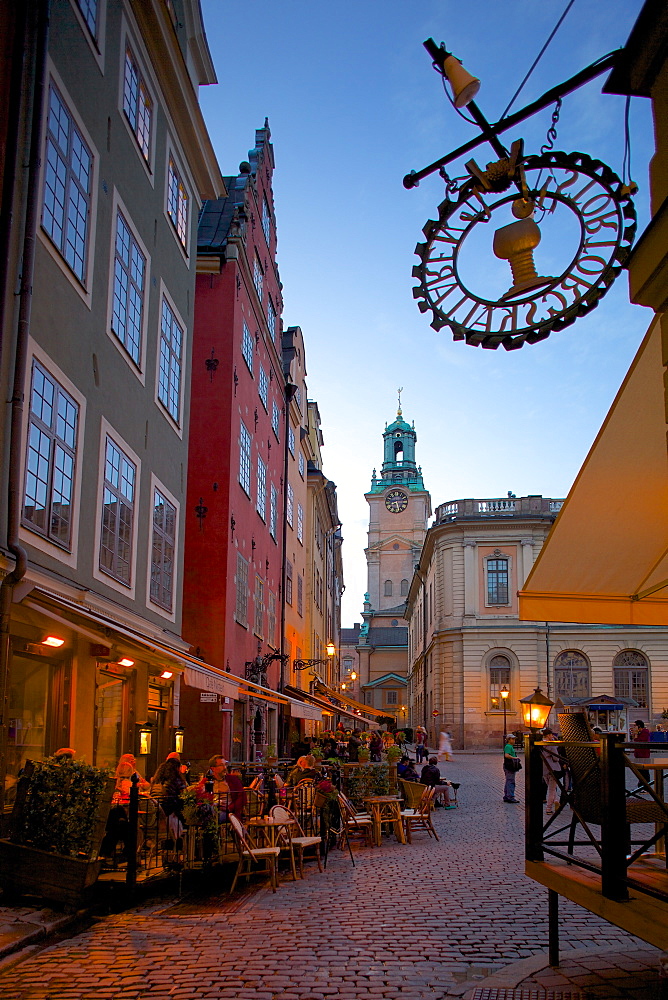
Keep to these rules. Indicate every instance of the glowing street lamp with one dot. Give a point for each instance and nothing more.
(535, 709)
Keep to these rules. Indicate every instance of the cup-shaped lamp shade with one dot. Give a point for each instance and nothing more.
(464, 86)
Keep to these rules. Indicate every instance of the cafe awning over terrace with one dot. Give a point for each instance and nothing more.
(606, 558)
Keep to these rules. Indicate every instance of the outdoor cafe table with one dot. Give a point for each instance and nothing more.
(270, 829)
(385, 809)
(658, 765)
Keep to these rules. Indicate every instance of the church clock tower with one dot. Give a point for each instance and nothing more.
(399, 508)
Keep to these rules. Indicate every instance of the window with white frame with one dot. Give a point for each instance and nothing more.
(50, 459)
(261, 488)
(177, 203)
(300, 462)
(300, 523)
(68, 173)
(258, 627)
(263, 386)
(631, 672)
(244, 458)
(271, 619)
(300, 595)
(275, 418)
(288, 582)
(258, 276)
(497, 581)
(241, 584)
(499, 679)
(171, 348)
(129, 287)
(571, 675)
(137, 105)
(291, 441)
(247, 347)
(163, 547)
(266, 220)
(118, 510)
(271, 318)
(273, 510)
(391, 698)
(289, 513)
(89, 11)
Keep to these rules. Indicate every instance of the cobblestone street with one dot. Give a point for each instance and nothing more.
(420, 921)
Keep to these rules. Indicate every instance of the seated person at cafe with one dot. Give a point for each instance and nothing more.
(118, 828)
(406, 769)
(228, 789)
(304, 768)
(431, 776)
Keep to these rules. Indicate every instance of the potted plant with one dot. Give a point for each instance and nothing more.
(272, 754)
(363, 754)
(58, 822)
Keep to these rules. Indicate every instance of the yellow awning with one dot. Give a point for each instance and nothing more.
(368, 709)
(606, 558)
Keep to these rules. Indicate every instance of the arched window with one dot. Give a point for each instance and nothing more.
(571, 675)
(388, 588)
(631, 676)
(404, 588)
(499, 675)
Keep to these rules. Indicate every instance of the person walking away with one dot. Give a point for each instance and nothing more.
(551, 768)
(641, 735)
(421, 752)
(445, 746)
(511, 765)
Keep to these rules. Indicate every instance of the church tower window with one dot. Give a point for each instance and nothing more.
(388, 588)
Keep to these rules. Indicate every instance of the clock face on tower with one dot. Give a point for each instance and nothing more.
(396, 501)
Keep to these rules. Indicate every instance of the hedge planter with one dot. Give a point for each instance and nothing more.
(58, 822)
(56, 877)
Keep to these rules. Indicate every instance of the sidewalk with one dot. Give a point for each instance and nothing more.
(427, 921)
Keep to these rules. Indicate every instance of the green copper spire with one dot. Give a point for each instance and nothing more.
(398, 465)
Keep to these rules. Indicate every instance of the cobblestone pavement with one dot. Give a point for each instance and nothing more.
(426, 920)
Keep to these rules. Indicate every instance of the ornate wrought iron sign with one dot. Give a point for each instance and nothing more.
(575, 201)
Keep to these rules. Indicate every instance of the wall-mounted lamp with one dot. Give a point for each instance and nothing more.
(166, 674)
(179, 733)
(125, 661)
(52, 640)
(145, 739)
(331, 648)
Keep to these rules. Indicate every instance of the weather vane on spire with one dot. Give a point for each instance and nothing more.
(399, 392)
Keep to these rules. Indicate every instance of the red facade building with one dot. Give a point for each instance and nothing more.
(237, 459)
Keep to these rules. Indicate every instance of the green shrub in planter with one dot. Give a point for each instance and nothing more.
(61, 809)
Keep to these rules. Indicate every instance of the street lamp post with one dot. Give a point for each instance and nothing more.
(504, 697)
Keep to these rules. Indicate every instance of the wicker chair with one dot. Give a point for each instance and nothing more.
(420, 818)
(296, 840)
(250, 856)
(585, 769)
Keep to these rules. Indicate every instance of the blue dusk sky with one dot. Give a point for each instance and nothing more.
(354, 104)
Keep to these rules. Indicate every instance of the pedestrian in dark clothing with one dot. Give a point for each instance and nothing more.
(641, 735)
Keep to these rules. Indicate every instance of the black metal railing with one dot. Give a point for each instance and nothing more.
(599, 831)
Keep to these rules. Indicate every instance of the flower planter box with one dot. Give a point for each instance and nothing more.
(25, 869)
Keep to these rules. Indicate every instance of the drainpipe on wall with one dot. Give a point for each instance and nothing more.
(290, 390)
(41, 10)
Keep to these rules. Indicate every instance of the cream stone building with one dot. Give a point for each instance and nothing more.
(466, 641)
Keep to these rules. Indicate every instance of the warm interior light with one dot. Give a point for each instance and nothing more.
(52, 640)
(166, 674)
(126, 662)
(331, 648)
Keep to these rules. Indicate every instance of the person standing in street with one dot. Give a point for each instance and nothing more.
(421, 752)
(511, 765)
(641, 735)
